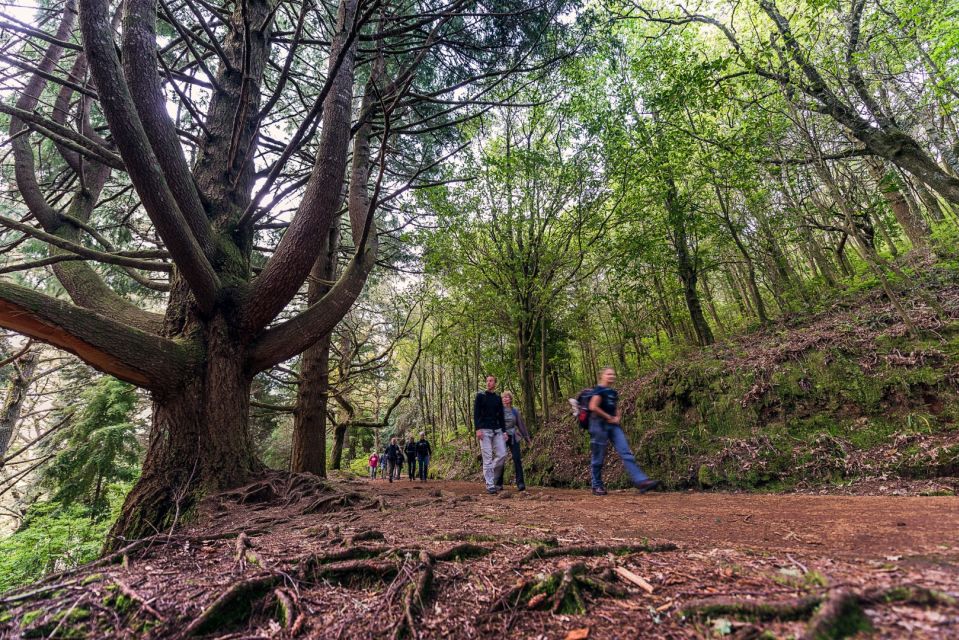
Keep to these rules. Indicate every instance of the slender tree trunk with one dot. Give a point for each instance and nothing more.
(711, 304)
(665, 312)
(527, 384)
(689, 276)
(312, 397)
(914, 227)
(543, 369)
(339, 438)
(24, 368)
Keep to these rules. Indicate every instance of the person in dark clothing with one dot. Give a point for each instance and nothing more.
(423, 453)
(411, 457)
(515, 433)
(604, 428)
(399, 461)
(392, 458)
(488, 419)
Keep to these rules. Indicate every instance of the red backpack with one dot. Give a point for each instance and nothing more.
(582, 407)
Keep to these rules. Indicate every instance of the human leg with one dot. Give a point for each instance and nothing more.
(502, 471)
(487, 449)
(621, 444)
(424, 468)
(598, 440)
(517, 463)
(499, 454)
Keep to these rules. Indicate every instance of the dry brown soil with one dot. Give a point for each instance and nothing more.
(739, 547)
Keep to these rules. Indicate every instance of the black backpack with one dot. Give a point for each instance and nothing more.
(582, 411)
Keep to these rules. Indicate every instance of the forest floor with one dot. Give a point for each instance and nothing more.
(369, 559)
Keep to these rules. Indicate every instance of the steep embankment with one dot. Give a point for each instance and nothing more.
(846, 399)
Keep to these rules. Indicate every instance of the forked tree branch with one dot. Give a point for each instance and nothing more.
(137, 153)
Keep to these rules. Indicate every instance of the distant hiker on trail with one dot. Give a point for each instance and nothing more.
(383, 464)
(411, 456)
(423, 453)
(399, 461)
(488, 419)
(515, 432)
(392, 458)
(604, 427)
(374, 460)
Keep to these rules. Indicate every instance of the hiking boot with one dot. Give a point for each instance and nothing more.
(521, 487)
(491, 491)
(647, 485)
(599, 491)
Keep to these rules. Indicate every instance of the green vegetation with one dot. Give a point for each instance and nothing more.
(54, 537)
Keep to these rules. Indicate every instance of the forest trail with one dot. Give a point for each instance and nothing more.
(842, 526)
(297, 557)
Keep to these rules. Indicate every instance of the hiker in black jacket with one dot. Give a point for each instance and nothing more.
(411, 456)
(392, 458)
(490, 427)
(423, 453)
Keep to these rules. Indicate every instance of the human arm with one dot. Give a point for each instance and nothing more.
(477, 405)
(594, 407)
(521, 426)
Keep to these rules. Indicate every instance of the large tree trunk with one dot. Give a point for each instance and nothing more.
(199, 442)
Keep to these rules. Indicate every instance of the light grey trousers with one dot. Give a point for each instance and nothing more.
(493, 446)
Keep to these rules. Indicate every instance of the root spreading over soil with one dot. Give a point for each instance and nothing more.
(297, 557)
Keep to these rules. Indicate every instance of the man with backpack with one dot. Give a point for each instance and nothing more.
(423, 453)
(411, 457)
(604, 427)
(490, 424)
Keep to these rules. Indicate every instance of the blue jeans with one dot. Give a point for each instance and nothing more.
(424, 462)
(602, 433)
(512, 445)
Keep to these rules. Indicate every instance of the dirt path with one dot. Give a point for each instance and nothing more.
(841, 526)
(443, 560)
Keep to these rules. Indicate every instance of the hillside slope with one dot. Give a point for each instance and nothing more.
(845, 399)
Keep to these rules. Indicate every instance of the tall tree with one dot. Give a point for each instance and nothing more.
(183, 115)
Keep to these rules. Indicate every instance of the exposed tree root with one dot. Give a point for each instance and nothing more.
(415, 596)
(235, 605)
(331, 503)
(544, 551)
(350, 570)
(560, 591)
(462, 552)
(836, 614)
(245, 553)
(313, 493)
(796, 609)
(840, 616)
(286, 607)
(365, 536)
